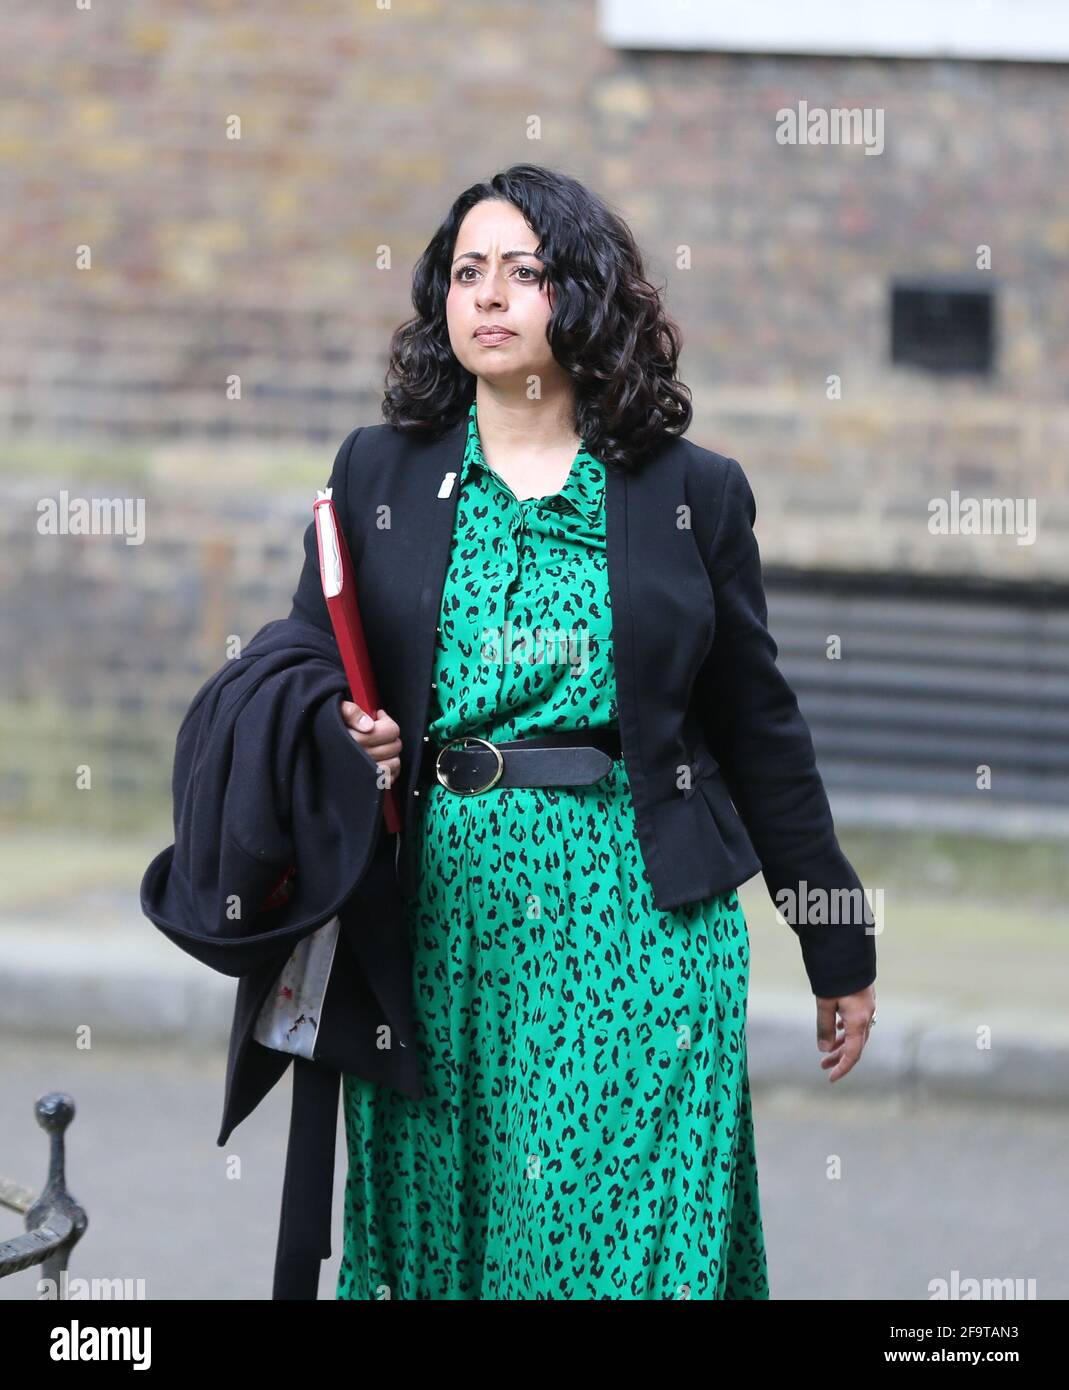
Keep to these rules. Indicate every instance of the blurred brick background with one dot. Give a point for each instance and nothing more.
(280, 262)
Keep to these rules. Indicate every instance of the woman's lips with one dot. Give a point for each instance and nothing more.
(492, 337)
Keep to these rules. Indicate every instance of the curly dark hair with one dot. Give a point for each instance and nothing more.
(608, 329)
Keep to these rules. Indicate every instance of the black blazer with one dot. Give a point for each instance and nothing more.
(719, 758)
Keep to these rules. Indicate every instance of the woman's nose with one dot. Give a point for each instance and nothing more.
(492, 290)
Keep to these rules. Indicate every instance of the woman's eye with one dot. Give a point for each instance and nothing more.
(528, 269)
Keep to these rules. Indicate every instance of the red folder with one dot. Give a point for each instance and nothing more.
(339, 590)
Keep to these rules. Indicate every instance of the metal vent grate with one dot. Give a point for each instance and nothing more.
(935, 680)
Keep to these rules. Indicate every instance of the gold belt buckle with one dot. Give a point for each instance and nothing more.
(443, 777)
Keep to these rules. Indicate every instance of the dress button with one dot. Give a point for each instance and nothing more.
(426, 738)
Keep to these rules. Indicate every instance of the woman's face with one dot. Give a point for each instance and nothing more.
(489, 287)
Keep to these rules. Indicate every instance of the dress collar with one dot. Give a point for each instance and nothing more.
(583, 490)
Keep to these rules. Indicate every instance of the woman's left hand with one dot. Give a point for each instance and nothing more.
(857, 1012)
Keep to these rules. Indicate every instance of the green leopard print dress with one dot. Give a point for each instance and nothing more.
(587, 1130)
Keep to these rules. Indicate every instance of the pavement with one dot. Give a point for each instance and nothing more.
(861, 1199)
(948, 1138)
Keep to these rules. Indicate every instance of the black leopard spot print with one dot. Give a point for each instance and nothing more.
(587, 1131)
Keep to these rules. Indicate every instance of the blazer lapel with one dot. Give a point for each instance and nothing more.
(446, 456)
(619, 495)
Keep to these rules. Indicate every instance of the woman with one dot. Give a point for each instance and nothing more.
(586, 1130)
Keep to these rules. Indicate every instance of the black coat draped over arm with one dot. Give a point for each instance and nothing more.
(267, 777)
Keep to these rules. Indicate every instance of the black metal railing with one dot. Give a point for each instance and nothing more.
(55, 1222)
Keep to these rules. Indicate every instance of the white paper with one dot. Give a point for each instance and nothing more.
(289, 1019)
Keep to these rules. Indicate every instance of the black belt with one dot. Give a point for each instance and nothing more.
(574, 757)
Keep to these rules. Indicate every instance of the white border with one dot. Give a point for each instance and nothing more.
(1006, 30)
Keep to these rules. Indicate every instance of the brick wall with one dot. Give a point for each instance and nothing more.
(260, 258)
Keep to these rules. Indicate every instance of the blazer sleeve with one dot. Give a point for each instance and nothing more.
(309, 605)
(763, 744)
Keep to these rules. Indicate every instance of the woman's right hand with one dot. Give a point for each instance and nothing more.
(380, 738)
